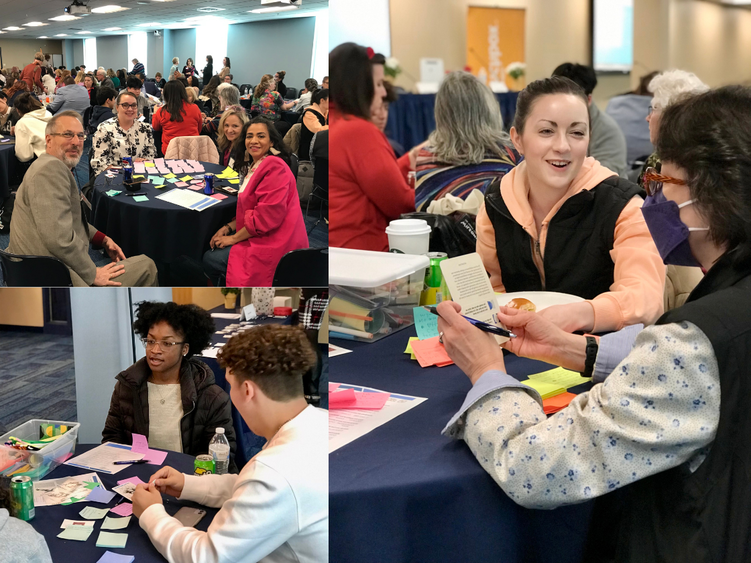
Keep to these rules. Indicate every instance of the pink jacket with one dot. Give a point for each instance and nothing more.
(269, 208)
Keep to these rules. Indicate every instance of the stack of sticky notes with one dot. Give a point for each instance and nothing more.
(554, 404)
(426, 323)
(227, 173)
(554, 382)
(408, 350)
(113, 193)
(545, 389)
(108, 539)
(110, 557)
(430, 352)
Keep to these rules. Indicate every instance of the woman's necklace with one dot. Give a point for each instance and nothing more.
(162, 398)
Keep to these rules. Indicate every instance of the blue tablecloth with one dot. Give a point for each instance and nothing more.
(405, 493)
(48, 518)
(412, 118)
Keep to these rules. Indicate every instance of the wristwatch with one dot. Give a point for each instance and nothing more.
(591, 351)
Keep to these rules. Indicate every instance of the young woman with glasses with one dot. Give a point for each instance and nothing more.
(169, 396)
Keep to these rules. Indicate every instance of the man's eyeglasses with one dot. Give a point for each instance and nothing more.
(129, 106)
(653, 181)
(163, 344)
(70, 134)
(652, 109)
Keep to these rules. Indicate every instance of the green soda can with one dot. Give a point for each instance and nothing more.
(433, 276)
(22, 497)
(204, 465)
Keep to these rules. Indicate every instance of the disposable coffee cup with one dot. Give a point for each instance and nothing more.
(409, 236)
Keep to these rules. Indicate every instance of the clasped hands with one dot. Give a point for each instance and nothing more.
(167, 480)
(222, 238)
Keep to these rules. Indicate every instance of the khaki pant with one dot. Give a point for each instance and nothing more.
(140, 271)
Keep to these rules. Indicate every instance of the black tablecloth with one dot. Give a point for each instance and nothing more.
(404, 493)
(48, 518)
(161, 230)
(412, 118)
(9, 168)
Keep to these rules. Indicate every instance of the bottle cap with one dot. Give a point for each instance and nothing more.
(220, 430)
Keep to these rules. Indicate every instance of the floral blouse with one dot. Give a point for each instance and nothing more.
(269, 105)
(111, 143)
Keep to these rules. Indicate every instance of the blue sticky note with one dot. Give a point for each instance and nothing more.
(98, 494)
(156, 180)
(172, 180)
(140, 198)
(426, 323)
(110, 557)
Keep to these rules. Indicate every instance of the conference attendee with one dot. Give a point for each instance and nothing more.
(189, 69)
(469, 148)
(311, 84)
(106, 98)
(606, 144)
(628, 111)
(138, 68)
(80, 75)
(159, 80)
(134, 86)
(607, 258)
(314, 119)
(365, 192)
(48, 218)
(192, 81)
(49, 83)
(151, 88)
(5, 110)
(177, 117)
(208, 70)
(228, 80)
(667, 88)
(114, 78)
(122, 135)
(209, 96)
(225, 68)
(15, 91)
(667, 426)
(192, 93)
(30, 128)
(122, 78)
(70, 97)
(81, 67)
(269, 221)
(276, 509)
(269, 103)
(89, 82)
(174, 69)
(325, 82)
(169, 396)
(229, 96)
(58, 75)
(230, 127)
(20, 542)
(281, 87)
(380, 116)
(32, 73)
(103, 79)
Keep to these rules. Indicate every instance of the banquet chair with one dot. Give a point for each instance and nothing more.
(33, 271)
(244, 89)
(307, 267)
(291, 94)
(200, 148)
(320, 193)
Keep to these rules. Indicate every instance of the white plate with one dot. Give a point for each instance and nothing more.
(541, 299)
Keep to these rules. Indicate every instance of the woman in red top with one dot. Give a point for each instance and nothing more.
(177, 117)
(368, 186)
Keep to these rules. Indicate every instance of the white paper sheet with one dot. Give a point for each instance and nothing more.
(347, 425)
(51, 492)
(102, 458)
(228, 316)
(188, 199)
(337, 351)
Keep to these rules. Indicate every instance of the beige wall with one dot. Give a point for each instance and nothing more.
(206, 297)
(20, 52)
(20, 306)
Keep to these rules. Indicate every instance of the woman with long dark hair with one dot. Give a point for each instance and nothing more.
(269, 221)
(226, 68)
(178, 117)
(210, 97)
(208, 70)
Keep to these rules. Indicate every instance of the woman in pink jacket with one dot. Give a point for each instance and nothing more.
(269, 221)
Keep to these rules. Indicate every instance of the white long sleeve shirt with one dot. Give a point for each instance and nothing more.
(275, 511)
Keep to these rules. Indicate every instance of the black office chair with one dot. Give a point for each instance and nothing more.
(308, 267)
(33, 271)
(244, 89)
(294, 164)
(320, 193)
(291, 94)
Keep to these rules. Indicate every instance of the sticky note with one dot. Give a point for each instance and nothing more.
(229, 171)
(194, 187)
(149, 164)
(135, 480)
(218, 196)
(77, 523)
(140, 445)
(408, 350)
(99, 494)
(155, 457)
(181, 184)
(562, 377)
(91, 513)
(139, 177)
(430, 352)
(140, 198)
(110, 557)
(80, 533)
(108, 539)
(554, 404)
(345, 396)
(186, 178)
(333, 386)
(426, 323)
(234, 181)
(124, 509)
(351, 399)
(113, 193)
(545, 389)
(170, 175)
(156, 180)
(115, 523)
(172, 180)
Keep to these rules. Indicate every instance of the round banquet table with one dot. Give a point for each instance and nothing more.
(9, 167)
(403, 492)
(162, 231)
(48, 518)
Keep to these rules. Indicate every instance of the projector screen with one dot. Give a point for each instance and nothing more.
(613, 35)
(365, 22)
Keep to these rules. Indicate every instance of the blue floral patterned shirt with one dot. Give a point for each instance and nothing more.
(658, 409)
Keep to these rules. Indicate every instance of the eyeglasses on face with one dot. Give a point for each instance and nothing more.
(652, 109)
(129, 106)
(69, 135)
(163, 344)
(653, 181)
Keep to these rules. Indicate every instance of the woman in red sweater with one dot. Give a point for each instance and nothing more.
(177, 117)
(368, 186)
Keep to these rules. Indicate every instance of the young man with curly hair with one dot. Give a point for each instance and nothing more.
(276, 509)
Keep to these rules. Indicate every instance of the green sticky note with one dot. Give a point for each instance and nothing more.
(115, 523)
(561, 377)
(172, 180)
(91, 513)
(113, 193)
(108, 539)
(76, 533)
(426, 323)
(90, 485)
(545, 389)
(186, 178)
(156, 180)
(170, 175)
(234, 181)
(140, 198)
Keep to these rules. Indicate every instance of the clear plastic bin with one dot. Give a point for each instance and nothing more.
(36, 464)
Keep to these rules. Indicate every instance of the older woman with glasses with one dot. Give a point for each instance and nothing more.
(667, 421)
(122, 136)
(169, 396)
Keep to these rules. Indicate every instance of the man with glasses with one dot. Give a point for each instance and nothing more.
(48, 217)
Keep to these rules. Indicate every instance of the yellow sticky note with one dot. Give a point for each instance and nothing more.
(545, 389)
(237, 181)
(561, 377)
(138, 177)
(408, 350)
(229, 172)
(170, 175)
(186, 178)
(149, 164)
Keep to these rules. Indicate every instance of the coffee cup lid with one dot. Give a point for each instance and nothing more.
(408, 227)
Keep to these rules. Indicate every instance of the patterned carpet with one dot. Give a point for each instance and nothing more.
(36, 378)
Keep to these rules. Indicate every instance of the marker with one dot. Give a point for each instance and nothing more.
(133, 461)
(485, 327)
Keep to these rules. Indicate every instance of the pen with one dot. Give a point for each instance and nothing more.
(133, 461)
(485, 327)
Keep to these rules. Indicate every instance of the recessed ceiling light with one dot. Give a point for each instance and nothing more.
(108, 9)
(150, 24)
(209, 9)
(111, 28)
(82, 32)
(34, 24)
(61, 35)
(12, 28)
(267, 10)
(43, 37)
(65, 18)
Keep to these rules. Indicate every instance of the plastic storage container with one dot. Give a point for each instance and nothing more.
(39, 463)
(373, 293)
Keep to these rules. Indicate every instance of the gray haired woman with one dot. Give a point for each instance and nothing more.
(469, 148)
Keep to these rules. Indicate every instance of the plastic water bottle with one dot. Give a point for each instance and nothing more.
(219, 450)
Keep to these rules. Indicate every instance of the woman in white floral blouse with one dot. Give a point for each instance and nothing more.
(122, 136)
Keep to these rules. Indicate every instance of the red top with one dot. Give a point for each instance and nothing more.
(32, 74)
(368, 186)
(190, 126)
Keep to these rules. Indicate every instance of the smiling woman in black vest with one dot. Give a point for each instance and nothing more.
(665, 440)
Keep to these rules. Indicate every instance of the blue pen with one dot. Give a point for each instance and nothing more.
(341, 335)
(485, 327)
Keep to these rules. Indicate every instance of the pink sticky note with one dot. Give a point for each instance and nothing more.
(195, 187)
(135, 480)
(333, 386)
(139, 167)
(140, 444)
(124, 509)
(219, 196)
(359, 400)
(430, 352)
(341, 397)
(181, 184)
(155, 457)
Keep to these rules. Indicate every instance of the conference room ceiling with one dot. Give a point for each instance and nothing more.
(141, 15)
